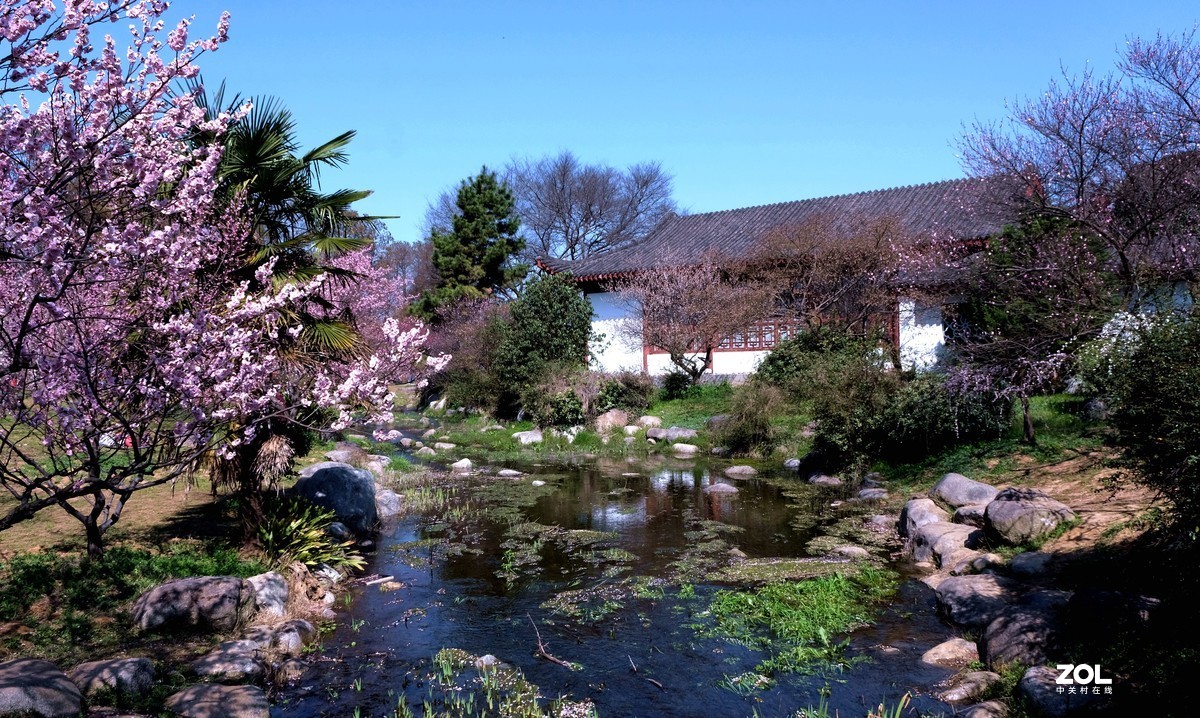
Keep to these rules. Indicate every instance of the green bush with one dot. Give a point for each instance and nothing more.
(564, 408)
(922, 417)
(676, 385)
(626, 390)
(294, 530)
(1156, 411)
(750, 425)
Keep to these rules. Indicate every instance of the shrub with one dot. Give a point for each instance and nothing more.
(1156, 411)
(626, 390)
(293, 530)
(749, 426)
(923, 417)
(790, 365)
(677, 385)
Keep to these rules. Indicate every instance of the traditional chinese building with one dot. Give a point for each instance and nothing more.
(964, 210)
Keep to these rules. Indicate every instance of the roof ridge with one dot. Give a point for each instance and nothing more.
(828, 196)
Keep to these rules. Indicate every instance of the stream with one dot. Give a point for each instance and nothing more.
(611, 565)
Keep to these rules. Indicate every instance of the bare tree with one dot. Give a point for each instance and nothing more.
(688, 307)
(411, 260)
(834, 271)
(572, 210)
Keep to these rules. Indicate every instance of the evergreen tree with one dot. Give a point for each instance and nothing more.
(475, 258)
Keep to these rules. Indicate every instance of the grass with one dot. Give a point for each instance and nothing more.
(64, 608)
(693, 410)
(795, 623)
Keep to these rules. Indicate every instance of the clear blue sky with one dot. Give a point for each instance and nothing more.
(743, 102)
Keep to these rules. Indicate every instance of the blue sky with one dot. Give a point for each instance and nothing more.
(742, 102)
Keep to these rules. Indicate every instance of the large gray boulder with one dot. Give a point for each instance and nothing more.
(1020, 634)
(270, 592)
(232, 662)
(1040, 689)
(346, 491)
(674, 433)
(956, 490)
(987, 709)
(288, 638)
(939, 541)
(740, 471)
(611, 420)
(952, 653)
(388, 504)
(971, 515)
(533, 436)
(29, 686)
(1022, 515)
(130, 676)
(917, 513)
(218, 603)
(209, 700)
(975, 601)
(970, 686)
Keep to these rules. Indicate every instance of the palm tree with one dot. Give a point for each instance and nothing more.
(300, 228)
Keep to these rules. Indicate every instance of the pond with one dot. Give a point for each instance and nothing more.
(596, 586)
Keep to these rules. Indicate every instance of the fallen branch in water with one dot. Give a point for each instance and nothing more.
(541, 649)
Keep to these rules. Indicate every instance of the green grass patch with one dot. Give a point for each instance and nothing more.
(796, 623)
(693, 410)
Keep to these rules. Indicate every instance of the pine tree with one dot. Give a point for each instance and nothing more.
(475, 258)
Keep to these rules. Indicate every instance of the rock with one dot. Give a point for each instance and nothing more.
(537, 482)
(970, 686)
(719, 451)
(487, 660)
(130, 676)
(388, 504)
(343, 456)
(956, 490)
(611, 420)
(289, 637)
(340, 531)
(970, 515)
(533, 436)
(31, 686)
(429, 433)
(872, 495)
(1022, 515)
(737, 553)
(1040, 689)
(961, 561)
(406, 442)
(675, 433)
(987, 709)
(684, 449)
(936, 541)
(219, 603)
(953, 653)
(632, 430)
(426, 451)
(649, 421)
(291, 670)
(715, 423)
(508, 473)
(919, 512)
(1019, 634)
(443, 446)
(854, 553)
(216, 701)
(569, 433)
(793, 464)
(629, 440)
(270, 593)
(987, 562)
(741, 471)
(975, 601)
(346, 491)
(873, 480)
(232, 661)
(719, 488)
(1030, 563)
(823, 480)
(462, 465)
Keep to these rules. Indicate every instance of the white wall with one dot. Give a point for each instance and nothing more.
(613, 352)
(921, 336)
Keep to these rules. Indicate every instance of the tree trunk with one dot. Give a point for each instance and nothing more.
(1030, 434)
(95, 539)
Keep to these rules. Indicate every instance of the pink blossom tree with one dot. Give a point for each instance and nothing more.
(127, 352)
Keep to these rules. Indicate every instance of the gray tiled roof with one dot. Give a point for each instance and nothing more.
(962, 209)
